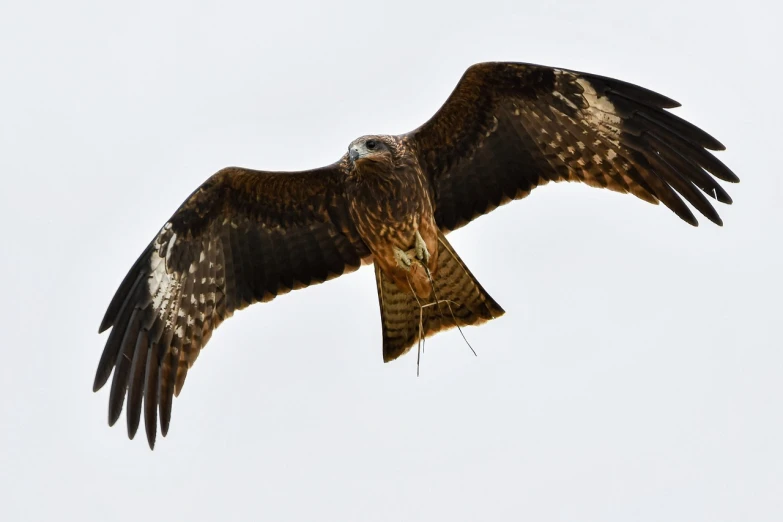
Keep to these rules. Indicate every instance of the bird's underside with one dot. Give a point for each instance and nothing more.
(246, 236)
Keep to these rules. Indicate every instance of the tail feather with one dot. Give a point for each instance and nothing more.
(459, 296)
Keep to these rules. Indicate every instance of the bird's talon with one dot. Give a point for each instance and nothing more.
(422, 254)
(403, 261)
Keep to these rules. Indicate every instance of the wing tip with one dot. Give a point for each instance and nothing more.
(631, 91)
(712, 143)
(114, 412)
(151, 430)
(715, 218)
(98, 382)
(106, 323)
(729, 176)
(165, 417)
(686, 215)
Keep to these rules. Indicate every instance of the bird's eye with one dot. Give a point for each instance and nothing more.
(370, 144)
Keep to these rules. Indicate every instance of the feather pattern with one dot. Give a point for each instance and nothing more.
(510, 127)
(244, 236)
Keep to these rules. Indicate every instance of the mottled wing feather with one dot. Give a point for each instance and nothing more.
(244, 236)
(510, 127)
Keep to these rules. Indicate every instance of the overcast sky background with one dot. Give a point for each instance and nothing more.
(635, 377)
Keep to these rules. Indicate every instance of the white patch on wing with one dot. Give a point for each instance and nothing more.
(560, 96)
(600, 113)
(172, 240)
(163, 283)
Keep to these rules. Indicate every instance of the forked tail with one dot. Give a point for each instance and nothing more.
(405, 318)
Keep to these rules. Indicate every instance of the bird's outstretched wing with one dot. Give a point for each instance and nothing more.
(243, 236)
(510, 127)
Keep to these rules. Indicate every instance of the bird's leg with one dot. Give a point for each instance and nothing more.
(422, 254)
(403, 261)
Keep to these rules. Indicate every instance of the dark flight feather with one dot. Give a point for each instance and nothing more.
(518, 126)
(244, 236)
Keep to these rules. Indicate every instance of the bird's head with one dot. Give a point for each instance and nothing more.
(372, 152)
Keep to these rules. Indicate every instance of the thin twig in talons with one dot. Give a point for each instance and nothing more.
(421, 326)
(422, 335)
(448, 303)
(442, 301)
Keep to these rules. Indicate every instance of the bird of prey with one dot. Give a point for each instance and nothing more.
(246, 236)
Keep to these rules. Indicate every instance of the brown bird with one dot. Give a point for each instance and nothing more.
(246, 235)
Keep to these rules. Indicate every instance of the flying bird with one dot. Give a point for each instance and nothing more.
(246, 236)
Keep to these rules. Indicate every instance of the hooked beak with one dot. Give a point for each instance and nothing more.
(353, 153)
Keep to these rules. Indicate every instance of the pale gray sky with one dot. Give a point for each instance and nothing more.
(635, 377)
